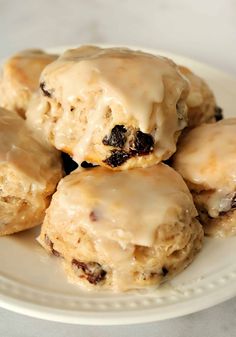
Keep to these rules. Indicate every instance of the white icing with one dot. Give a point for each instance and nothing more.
(37, 109)
(131, 80)
(154, 196)
(207, 157)
(127, 208)
(19, 149)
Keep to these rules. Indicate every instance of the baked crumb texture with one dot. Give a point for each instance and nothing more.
(206, 158)
(122, 230)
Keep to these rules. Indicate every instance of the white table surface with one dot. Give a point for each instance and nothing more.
(202, 29)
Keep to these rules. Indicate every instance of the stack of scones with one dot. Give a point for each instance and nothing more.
(109, 120)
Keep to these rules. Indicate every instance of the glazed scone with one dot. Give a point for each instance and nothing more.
(29, 173)
(112, 107)
(34, 124)
(201, 102)
(20, 78)
(122, 230)
(206, 158)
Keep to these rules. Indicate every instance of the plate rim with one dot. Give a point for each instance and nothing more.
(100, 319)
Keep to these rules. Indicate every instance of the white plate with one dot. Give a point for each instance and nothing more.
(34, 284)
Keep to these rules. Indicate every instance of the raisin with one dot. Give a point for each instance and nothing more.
(50, 244)
(93, 216)
(56, 253)
(165, 271)
(152, 275)
(218, 113)
(94, 279)
(169, 161)
(48, 241)
(92, 270)
(46, 92)
(85, 164)
(117, 137)
(68, 163)
(143, 143)
(233, 202)
(117, 158)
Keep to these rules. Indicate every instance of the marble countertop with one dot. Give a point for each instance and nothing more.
(204, 30)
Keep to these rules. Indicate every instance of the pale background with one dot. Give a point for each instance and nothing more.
(204, 30)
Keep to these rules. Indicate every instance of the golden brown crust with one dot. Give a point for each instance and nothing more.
(20, 79)
(173, 251)
(223, 224)
(29, 173)
(200, 101)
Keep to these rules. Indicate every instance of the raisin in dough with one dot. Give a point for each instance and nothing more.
(20, 77)
(122, 230)
(29, 174)
(206, 158)
(200, 101)
(112, 107)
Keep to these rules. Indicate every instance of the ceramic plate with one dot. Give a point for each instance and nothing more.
(34, 284)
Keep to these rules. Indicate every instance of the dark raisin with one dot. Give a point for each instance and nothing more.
(46, 92)
(68, 163)
(56, 253)
(94, 279)
(48, 241)
(79, 265)
(233, 202)
(93, 271)
(169, 161)
(117, 158)
(50, 244)
(117, 137)
(143, 143)
(93, 216)
(165, 271)
(85, 164)
(218, 113)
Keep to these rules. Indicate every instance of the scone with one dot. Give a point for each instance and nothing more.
(29, 173)
(122, 230)
(20, 78)
(206, 158)
(201, 102)
(112, 107)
